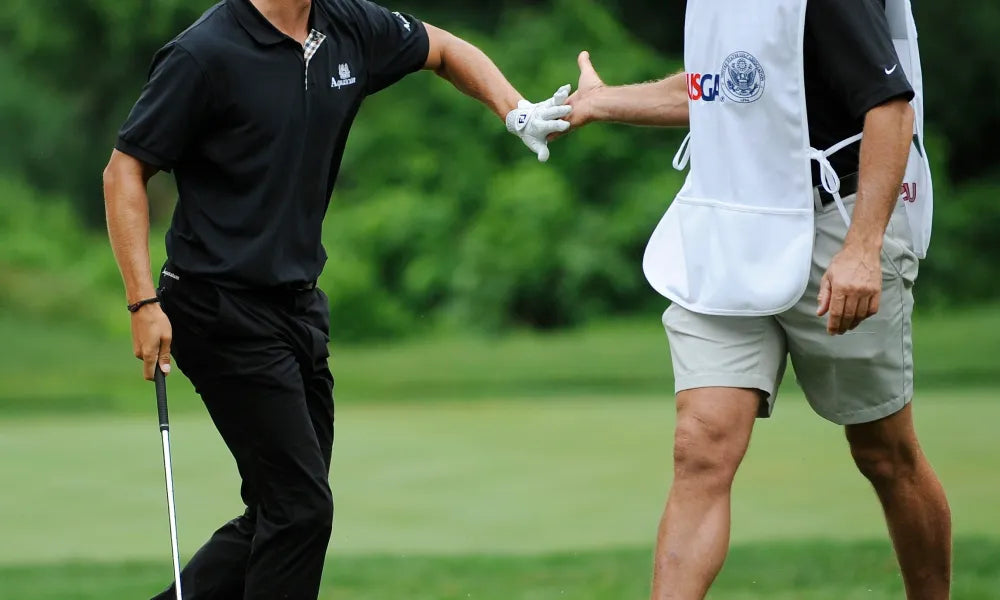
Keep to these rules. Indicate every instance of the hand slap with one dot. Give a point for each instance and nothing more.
(534, 123)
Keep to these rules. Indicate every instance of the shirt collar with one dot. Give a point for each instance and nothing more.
(263, 31)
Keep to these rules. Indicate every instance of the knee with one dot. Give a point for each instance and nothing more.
(884, 464)
(706, 454)
(315, 513)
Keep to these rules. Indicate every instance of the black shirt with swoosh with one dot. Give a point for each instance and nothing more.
(851, 66)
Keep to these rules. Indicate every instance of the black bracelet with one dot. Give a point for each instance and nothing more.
(134, 308)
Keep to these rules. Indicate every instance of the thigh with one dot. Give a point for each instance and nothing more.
(726, 352)
(315, 369)
(258, 402)
(866, 374)
(249, 374)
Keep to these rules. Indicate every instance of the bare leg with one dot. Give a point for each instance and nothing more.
(888, 454)
(713, 432)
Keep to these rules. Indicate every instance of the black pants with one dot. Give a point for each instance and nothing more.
(259, 361)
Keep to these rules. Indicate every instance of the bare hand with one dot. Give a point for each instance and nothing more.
(851, 289)
(582, 99)
(151, 337)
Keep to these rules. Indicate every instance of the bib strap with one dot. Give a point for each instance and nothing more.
(828, 175)
(683, 156)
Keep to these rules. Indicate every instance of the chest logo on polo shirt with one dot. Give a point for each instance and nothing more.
(344, 70)
(742, 78)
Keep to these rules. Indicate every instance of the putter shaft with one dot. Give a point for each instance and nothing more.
(161, 406)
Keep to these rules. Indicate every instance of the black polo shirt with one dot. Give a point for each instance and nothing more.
(255, 132)
(851, 66)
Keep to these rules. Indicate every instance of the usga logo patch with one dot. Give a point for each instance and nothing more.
(703, 87)
(742, 80)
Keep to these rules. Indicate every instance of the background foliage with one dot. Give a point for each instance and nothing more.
(465, 464)
(440, 217)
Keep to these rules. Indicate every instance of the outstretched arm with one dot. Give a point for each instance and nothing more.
(474, 74)
(662, 103)
(470, 71)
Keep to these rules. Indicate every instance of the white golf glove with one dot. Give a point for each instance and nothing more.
(534, 123)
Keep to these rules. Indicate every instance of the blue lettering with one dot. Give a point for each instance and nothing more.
(710, 86)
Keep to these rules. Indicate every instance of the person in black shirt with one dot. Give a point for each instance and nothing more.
(251, 108)
(846, 53)
(727, 368)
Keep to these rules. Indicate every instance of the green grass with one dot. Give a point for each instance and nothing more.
(521, 467)
(774, 571)
(522, 477)
(55, 369)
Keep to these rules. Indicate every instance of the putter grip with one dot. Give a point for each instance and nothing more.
(161, 398)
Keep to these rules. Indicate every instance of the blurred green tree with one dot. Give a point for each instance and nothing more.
(440, 216)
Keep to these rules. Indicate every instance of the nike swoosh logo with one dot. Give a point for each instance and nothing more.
(892, 70)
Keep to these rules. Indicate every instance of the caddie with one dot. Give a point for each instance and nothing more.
(797, 233)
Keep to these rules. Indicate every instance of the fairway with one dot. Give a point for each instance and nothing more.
(776, 571)
(525, 467)
(438, 496)
(584, 474)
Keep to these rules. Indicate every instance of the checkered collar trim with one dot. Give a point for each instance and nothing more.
(263, 31)
(313, 42)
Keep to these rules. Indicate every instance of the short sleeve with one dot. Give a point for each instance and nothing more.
(172, 106)
(855, 53)
(397, 45)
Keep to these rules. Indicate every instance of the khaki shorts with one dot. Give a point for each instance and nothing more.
(855, 378)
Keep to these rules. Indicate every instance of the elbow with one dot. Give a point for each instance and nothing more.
(901, 110)
(448, 47)
(110, 179)
(441, 68)
(909, 117)
(124, 171)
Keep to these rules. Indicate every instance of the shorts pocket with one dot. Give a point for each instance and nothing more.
(898, 258)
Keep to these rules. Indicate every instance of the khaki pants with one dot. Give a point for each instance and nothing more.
(859, 377)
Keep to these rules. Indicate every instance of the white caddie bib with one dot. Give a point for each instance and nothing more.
(737, 240)
(918, 187)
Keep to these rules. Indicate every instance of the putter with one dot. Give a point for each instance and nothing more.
(161, 409)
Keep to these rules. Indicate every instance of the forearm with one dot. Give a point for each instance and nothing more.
(474, 74)
(661, 103)
(885, 148)
(127, 207)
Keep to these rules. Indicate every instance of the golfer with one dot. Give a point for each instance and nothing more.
(790, 238)
(251, 108)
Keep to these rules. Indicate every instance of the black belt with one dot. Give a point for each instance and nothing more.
(848, 187)
(176, 274)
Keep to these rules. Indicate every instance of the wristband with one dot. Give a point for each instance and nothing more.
(134, 308)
